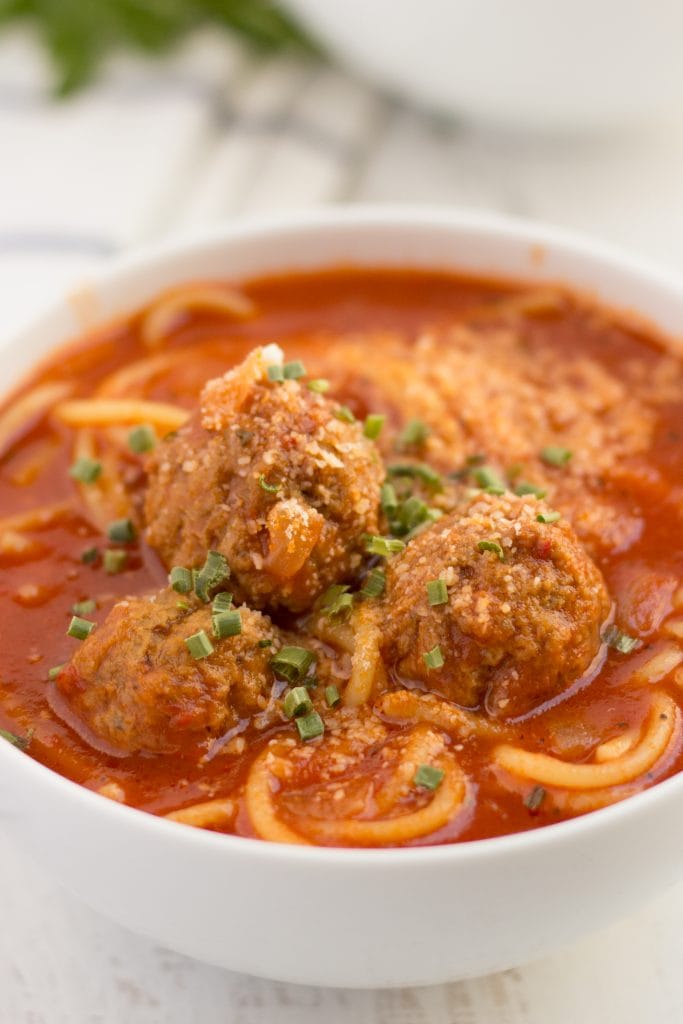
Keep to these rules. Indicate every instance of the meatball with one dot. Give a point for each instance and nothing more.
(134, 684)
(521, 615)
(269, 475)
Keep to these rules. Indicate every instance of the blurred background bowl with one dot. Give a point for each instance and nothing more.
(539, 64)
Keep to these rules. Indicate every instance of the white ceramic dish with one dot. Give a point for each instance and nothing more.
(537, 64)
(350, 917)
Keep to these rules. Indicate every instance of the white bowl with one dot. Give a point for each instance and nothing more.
(535, 63)
(350, 917)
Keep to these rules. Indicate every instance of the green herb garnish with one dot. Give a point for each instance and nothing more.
(275, 373)
(548, 517)
(619, 641)
(332, 696)
(374, 584)
(310, 726)
(225, 624)
(489, 479)
(199, 645)
(437, 593)
(434, 658)
(428, 777)
(524, 487)
(554, 455)
(86, 471)
(417, 470)
(113, 561)
(414, 433)
(21, 742)
(292, 663)
(142, 439)
(84, 607)
(122, 531)
(535, 798)
(214, 572)
(372, 427)
(265, 486)
(294, 370)
(336, 600)
(383, 546)
(89, 556)
(344, 414)
(297, 702)
(80, 628)
(320, 385)
(491, 545)
(180, 579)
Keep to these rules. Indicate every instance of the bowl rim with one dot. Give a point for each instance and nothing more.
(344, 218)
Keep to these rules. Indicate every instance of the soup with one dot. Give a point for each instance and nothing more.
(352, 558)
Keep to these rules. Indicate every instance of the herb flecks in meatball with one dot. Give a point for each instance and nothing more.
(516, 616)
(268, 475)
(145, 681)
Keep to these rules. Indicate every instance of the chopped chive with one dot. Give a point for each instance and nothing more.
(180, 579)
(428, 777)
(276, 373)
(437, 593)
(554, 455)
(54, 671)
(489, 479)
(114, 561)
(226, 624)
(336, 600)
(384, 546)
(183, 605)
(310, 726)
(89, 556)
(417, 470)
(21, 742)
(535, 798)
(199, 645)
(477, 459)
(491, 545)
(292, 663)
(320, 386)
(265, 486)
(411, 513)
(415, 432)
(548, 517)
(372, 427)
(388, 499)
(80, 628)
(297, 702)
(434, 658)
(122, 531)
(344, 414)
(142, 439)
(374, 585)
(265, 643)
(84, 607)
(222, 602)
(214, 572)
(310, 682)
(294, 370)
(332, 696)
(620, 641)
(524, 487)
(86, 471)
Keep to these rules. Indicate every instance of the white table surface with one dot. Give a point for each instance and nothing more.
(214, 134)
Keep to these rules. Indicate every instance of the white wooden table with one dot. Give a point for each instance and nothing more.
(209, 134)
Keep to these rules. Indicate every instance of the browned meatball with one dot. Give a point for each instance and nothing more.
(135, 685)
(523, 611)
(270, 476)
